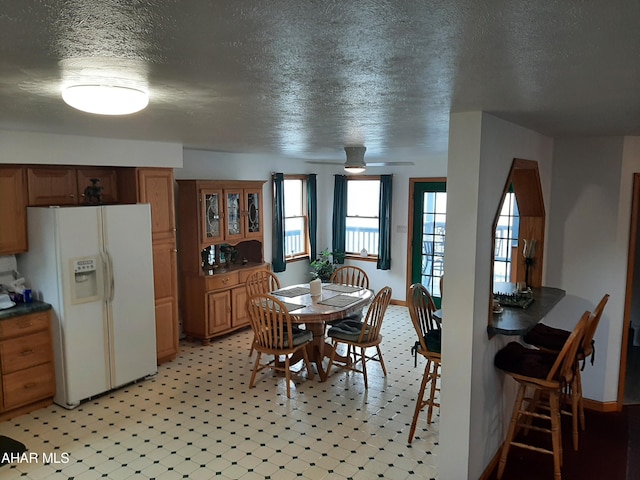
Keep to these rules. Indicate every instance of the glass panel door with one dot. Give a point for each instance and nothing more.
(211, 221)
(429, 229)
(254, 223)
(234, 220)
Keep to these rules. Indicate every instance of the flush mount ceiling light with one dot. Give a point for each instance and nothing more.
(105, 99)
(355, 159)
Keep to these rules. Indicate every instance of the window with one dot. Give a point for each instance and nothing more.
(295, 217)
(362, 222)
(506, 239)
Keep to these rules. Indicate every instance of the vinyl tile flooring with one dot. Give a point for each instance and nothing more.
(198, 419)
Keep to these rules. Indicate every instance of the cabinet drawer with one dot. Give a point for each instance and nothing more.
(28, 386)
(26, 351)
(223, 280)
(24, 325)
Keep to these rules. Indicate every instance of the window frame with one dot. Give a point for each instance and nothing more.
(305, 216)
(356, 255)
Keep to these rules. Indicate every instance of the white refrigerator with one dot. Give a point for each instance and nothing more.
(94, 265)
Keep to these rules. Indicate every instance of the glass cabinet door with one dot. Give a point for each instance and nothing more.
(212, 217)
(253, 213)
(234, 220)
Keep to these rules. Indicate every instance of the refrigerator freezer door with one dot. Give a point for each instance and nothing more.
(82, 328)
(131, 311)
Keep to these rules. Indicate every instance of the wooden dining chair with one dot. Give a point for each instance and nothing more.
(357, 335)
(553, 339)
(276, 335)
(353, 276)
(543, 372)
(261, 281)
(350, 275)
(421, 308)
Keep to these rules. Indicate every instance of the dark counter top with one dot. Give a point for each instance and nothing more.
(518, 321)
(23, 309)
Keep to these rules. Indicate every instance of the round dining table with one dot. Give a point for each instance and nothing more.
(334, 303)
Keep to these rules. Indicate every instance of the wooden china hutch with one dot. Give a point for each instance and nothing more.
(220, 238)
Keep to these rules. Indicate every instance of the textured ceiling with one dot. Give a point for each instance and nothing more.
(303, 78)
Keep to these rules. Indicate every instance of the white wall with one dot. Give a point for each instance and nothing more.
(52, 149)
(216, 165)
(589, 231)
(475, 399)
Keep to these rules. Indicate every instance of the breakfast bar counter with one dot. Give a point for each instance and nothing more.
(518, 321)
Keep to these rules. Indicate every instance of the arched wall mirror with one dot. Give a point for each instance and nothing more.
(518, 226)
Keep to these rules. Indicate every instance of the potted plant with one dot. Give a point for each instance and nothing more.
(325, 264)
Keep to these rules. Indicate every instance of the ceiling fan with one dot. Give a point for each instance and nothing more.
(355, 160)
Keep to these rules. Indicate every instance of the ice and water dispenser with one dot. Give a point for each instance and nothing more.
(85, 281)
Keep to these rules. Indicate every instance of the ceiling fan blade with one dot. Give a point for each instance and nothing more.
(318, 162)
(388, 164)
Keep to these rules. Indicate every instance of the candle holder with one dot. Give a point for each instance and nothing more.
(527, 265)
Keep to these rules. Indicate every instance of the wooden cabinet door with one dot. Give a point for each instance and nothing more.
(252, 213)
(218, 312)
(13, 213)
(107, 179)
(239, 315)
(52, 186)
(155, 187)
(211, 224)
(165, 281)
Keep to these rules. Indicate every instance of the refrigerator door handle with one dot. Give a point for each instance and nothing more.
(105, 275)
(111, 280)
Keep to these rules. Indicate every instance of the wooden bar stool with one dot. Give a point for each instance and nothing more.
(553, 339)
(547, 374)
(421, 308)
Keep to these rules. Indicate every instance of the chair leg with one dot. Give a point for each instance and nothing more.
(580, 399)
(384, 370)
(434, 387)
(511, 432)
(420, 399)
(287, 374)
(555, 434)
(332, 357)
(255, 370)
(364, 367)
(575, 407)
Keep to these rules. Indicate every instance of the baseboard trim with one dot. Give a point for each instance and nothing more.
(604, 407)
(493, 464)
(402, 303)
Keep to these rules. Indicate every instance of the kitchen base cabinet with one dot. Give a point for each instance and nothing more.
(27, 375)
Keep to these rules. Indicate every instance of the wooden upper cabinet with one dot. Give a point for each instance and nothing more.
(68, 185)
(52, 186)
(13, 215)
(107, 179)
(156, 188)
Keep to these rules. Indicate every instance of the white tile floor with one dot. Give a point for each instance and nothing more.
(198, 420)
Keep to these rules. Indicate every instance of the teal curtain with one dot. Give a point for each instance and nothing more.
(339, 235)
(384, 240)
(278, 261)
(312, 215)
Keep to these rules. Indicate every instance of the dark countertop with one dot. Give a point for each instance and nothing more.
(518, 321)
(23, 309)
